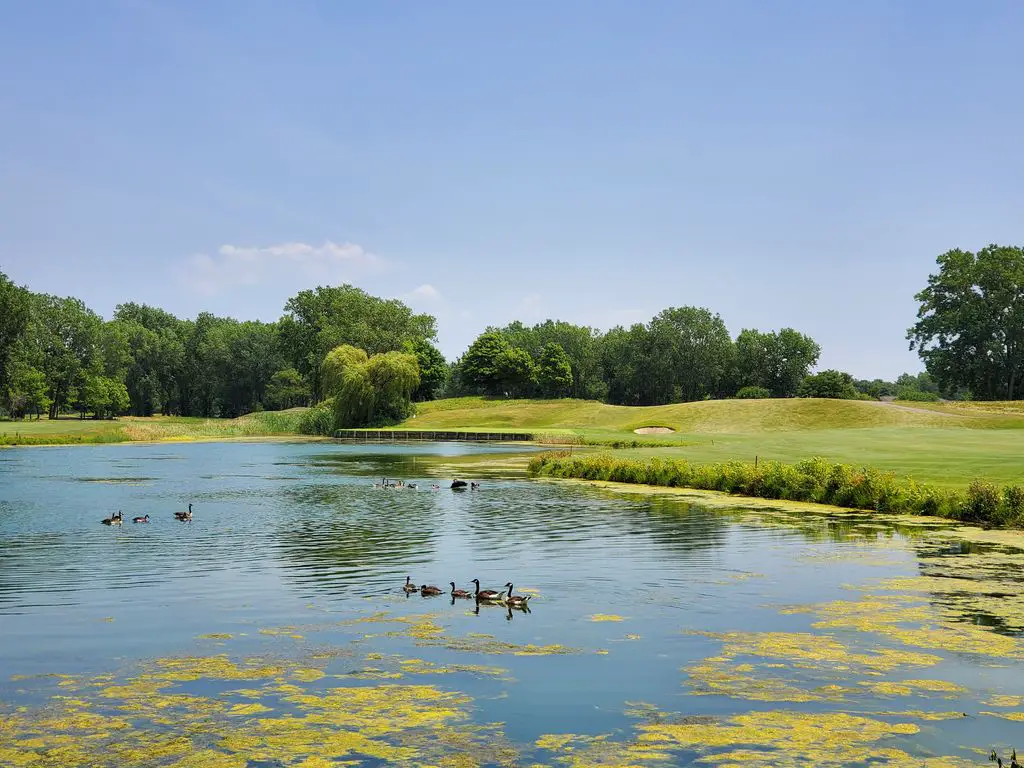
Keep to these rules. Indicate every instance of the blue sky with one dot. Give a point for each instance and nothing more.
(784, 164)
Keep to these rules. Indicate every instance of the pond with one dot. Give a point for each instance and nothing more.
(273, 630)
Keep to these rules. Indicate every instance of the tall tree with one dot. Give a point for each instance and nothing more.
(480, 366)
(554, 374)
(68, 336)
(317, 321)
(515, 372)
(434, 369)
(581, 344)
(970, 327)
(287, 389)
(697, 351)
(15, 307)
(777, 361)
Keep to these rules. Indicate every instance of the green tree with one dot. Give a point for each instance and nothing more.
(515, 372)
(776, 361)
(479, 367)
(970, 327)
(155, 341)
(27, 391)
(623, 362)
(434, 369)
(830, 384)
(317, 321)
(554, 374)
(336, 362)
(582, 345)
(691, 356)
(68, 337)
(103, 396)
(287, 389)
(15, 308)
(376, 391)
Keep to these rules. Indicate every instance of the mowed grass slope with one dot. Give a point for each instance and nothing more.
(152, 428)
(948, 445)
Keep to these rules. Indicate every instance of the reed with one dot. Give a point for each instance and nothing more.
(814, 480)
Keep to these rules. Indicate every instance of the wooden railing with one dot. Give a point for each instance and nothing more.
(404, 435)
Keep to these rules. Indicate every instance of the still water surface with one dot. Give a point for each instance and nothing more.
(272, 630)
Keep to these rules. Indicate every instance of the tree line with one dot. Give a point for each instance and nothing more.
(682, 354)
(59, 356)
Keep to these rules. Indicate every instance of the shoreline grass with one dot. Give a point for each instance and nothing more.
(814, 480)
(265, 424)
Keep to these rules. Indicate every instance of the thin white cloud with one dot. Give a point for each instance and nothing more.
(232, 266)
(426, 292)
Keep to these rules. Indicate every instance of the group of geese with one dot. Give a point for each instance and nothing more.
(480, 595)
(185, 517)
(396, 484)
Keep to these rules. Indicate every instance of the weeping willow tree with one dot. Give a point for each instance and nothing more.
(369, 391)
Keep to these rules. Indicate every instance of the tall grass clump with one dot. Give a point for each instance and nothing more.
(318, 420)
(814, 480)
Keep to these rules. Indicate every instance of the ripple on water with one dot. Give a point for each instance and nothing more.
(280, 605)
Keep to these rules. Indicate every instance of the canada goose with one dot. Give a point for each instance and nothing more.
(409, 586)
(486, 594)
(184, 515)
(516, 600)
(435, 487)
(474, 486)
(459, 592)
(143, 519)
(113, 519)
(427, 590)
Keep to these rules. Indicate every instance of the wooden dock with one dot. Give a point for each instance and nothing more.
(432, 435)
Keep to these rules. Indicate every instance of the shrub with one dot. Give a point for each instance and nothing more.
(754, 393)
(981, 504)
(318, 420)
(814, 480)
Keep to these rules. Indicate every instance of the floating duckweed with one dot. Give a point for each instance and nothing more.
(822, 655)
(144, 721)
(887, 615)
(307, 675)
(605, 617)
(1004, 700)
(215, 636)
(909, 687)
(796, 739)
(632, 636)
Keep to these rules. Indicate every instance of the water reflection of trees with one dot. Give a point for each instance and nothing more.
(998, 604)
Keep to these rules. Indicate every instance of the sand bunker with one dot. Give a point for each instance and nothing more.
(654, 431)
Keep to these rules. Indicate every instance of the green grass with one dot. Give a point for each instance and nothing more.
(153, 428)
(945, 444)
(815, 480)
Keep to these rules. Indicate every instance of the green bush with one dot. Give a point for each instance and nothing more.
(754, 393)
(916, 395)
(813, 480)
(318, 420)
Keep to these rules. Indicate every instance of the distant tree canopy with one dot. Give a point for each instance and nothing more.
(57, 355)
(829, 384)
(318, 320)
(362, 360)
(683, 353)
(776, 361)
(970, 326)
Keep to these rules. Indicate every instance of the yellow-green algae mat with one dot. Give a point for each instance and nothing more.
(224, 711)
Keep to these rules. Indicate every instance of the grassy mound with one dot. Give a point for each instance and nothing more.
(706, 417)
